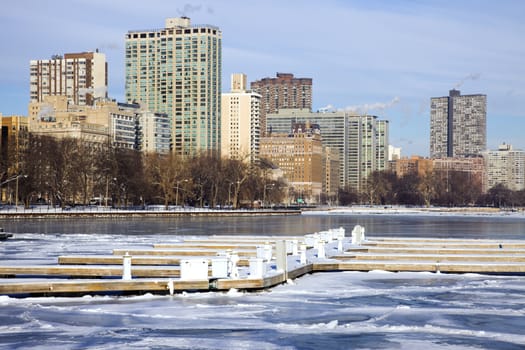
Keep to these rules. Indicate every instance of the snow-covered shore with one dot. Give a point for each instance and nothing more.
(401, 210)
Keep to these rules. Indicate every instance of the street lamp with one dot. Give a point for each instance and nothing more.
(13, 178)
(177, 194)
(230, 190)
(264, 193)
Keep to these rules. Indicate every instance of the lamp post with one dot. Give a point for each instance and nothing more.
(177, 192)
(264, 193)
(13, 178)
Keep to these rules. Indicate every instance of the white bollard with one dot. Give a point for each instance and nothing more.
(281, 256)
(358, 234)
(341, 232)
(295, 244)
(303, 254)
(234, 270)
(126, 267)
(267, 252)
(339, 244)
(170, 286)
(320, 250)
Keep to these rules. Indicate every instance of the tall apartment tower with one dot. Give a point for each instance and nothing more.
(240, 129)
(82, 77)
(458, 125)
(177, 70)
(281, 92)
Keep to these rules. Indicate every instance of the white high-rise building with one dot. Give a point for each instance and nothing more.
(505, 166)
(240, 129)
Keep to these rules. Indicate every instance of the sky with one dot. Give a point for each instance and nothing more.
(386, 58)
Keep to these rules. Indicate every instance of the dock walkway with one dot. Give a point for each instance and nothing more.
(243, 263)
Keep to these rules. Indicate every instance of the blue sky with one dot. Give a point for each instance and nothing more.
(388, 57)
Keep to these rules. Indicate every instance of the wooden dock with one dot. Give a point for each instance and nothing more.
(158, 269)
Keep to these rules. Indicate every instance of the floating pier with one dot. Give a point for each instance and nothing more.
(250, 263)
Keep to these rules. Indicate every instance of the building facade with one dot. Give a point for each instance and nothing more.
(284, 91)
(360, 141)
(81, 77)
(473, 167)
(331, 160)
(176, 70)
(505, 166)
(458, 125)
(299, 155)
(414, 165)
(240, 128)
(154, 132)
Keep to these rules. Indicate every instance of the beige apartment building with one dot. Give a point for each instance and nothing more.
(240, 129)
(105, 122)
(299, 154)
(81, 77)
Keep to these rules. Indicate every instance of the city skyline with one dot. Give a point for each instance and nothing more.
(378, 57)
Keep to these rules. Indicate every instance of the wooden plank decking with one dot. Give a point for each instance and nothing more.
(157, 269)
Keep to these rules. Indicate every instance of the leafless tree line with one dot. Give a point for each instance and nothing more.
(437, 188)
(65, 172)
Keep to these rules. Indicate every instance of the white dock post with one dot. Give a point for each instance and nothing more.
(339, 244)
(320, 250)
(358, 234)
(281, 256)
(295, 244)
(267, 251)
(126, 267)
(303, 253)
(234, 269)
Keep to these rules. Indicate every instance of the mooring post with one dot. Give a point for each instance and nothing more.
(281, 257)
(303, 253)
(126, 267)
(320, 250)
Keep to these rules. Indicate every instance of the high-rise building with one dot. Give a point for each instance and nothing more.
(331, 167)
(155, 132)
(240, 129)
(299, 154)
(360, 140)
(505, 166)
(281, 92)
(177, 70)
(458, 125)
(82, 77)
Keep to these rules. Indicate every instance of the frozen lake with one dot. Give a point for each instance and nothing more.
(343, 310)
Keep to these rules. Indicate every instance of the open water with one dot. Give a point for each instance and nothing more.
(342, 310)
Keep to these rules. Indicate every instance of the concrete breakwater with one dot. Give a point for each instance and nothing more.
(96, 213)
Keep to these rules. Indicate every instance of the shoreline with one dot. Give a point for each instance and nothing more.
(101, 212)
(118, 213)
